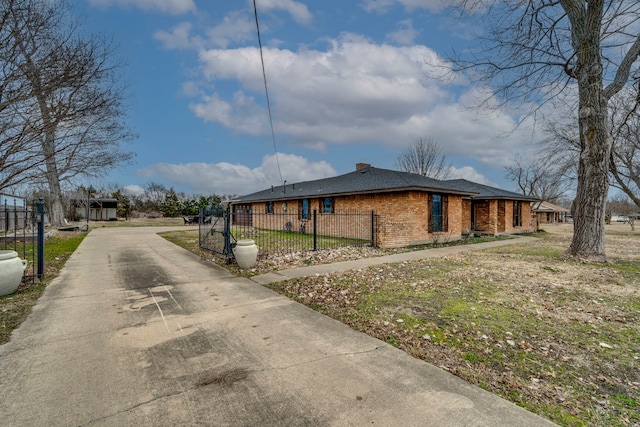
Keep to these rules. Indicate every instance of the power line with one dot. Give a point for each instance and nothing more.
(266, 91)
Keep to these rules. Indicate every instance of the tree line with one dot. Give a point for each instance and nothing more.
(154, 200)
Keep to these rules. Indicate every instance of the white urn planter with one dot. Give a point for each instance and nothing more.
(11, 270)
(246, 253)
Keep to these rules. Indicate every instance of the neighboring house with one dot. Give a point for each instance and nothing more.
(548, 213)
(410, 209)
(100, 209)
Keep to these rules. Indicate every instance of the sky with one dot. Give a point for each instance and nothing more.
(348, 82)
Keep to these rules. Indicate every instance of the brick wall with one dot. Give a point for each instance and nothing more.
(486, 216)
(496, 217)
(466, 216)
(525, 218)
(528, 219)
(501, 223)
(402, 218)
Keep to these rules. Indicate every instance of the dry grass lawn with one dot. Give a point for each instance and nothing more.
(558, 337)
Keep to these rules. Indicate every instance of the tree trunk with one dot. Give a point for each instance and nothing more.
(595, 150)
(56, 215)
(589, 210)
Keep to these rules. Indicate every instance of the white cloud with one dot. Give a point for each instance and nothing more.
(382, 6)
(171, 7)
(178, 38)
(405, 35)
(298, 11)
(431, 5)
(190, 89)
(225, 178)
(235, 27)
(357, 92)
(134, 190)
(470, 174)
(377, 6)
(240, 113)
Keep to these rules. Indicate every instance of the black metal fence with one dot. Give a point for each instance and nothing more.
(286, 232)
(214, 230)
(22, 230)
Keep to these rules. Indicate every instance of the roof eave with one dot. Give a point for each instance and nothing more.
(355, 193)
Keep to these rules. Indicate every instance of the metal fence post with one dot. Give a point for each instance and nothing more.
(227, 233)
(373, 229)
(315, 230)
(15, 225)
(40, 219)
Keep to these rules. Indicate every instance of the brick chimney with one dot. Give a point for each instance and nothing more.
(360, 166)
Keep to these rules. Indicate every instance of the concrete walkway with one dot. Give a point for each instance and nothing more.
(139, 332)
(312, 270)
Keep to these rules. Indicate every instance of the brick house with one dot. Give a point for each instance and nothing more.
(410, 209)
(548, 213)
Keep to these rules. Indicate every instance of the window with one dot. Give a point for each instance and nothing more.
(269, 207)
(327, 205)
(304, 209)
(438, 212)
(517, 213)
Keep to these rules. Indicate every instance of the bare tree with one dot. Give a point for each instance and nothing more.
(154, 195)
(563, 145)
(19, 146)
(625, 156)
(424, 157)
(540, 179)
(67, 106)
(538, 49)
(624, 208)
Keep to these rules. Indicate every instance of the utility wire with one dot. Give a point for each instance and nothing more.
(266, 91)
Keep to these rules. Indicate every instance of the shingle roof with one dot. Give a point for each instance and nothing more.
(547, 207)
(367, 180)
(487, 192)
(376, 180)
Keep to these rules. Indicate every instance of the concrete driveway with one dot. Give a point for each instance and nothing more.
(138, 332)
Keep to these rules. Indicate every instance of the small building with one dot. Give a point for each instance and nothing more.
(410, 209)
(100, 209)
(548, 213)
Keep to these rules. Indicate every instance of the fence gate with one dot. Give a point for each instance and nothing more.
(215, 236)
(22, 230)
(278, 233)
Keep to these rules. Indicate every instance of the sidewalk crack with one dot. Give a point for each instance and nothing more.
(319, 359)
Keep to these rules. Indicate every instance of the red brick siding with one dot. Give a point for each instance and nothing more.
(486, 216)
(402, 218)
(500, 218)
(496, 217)
(466, 215)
